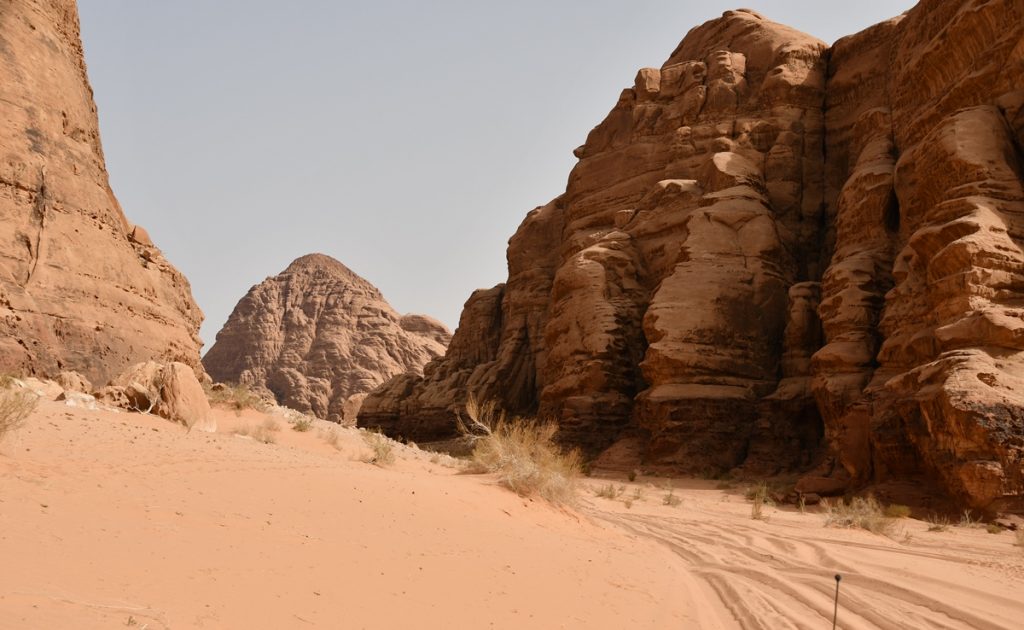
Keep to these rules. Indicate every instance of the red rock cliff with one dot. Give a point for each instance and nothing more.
(777, 254)
(81, 288)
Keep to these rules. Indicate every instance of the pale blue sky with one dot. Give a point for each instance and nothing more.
(406, 139)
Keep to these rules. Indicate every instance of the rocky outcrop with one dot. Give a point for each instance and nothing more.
(81, 288)
(169, 390)
(320, 337)
(777, 255)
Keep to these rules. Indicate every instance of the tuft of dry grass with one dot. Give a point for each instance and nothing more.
(671, 499)
(237, 397)
(859, 513)
(263, 433)
(522, 453)
(303, 424)
(759, 497)
(610, 491)
(381, 447)
(15, 408)
(937, 523)
(967, 519)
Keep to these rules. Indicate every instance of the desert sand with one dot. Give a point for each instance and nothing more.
(114, 519)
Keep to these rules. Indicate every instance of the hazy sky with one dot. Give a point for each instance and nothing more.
(406, 139)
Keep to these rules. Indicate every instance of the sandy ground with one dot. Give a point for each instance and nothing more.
(112, 520)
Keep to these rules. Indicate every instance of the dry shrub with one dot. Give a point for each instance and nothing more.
(937, 523)
(263, 433)
(861, 513)
(237, 397)
(671, 499)
(15, 408)
(522, 453)
(382, 448)
(759, 497)
(303, 424)
(610, 491)
(1020, 538)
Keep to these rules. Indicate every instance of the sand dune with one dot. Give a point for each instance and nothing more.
(124, 520)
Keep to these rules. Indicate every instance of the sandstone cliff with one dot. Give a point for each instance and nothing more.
(775, 254)
(81, 288)
(319, 337)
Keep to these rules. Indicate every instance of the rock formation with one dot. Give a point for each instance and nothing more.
(777, 255)
(320, 337)
(81, 288)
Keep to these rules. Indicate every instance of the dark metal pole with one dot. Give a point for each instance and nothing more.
(835, 613)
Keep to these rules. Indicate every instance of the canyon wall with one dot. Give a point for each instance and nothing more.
(776, 255)
(81, 288)
(319, 337)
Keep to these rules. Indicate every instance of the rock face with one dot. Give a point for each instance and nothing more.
(320, 337)
(777, 255)
(81, 288)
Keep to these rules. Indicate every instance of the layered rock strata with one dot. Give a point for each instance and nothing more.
(81, 288)
(777, 254)
(320, 337)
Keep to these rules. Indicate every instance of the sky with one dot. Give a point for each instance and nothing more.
(406, 139)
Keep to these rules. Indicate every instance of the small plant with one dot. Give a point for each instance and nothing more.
(303, 424)
(802, 504)
(522, 453)
(633, 474)
(895, 510)
(15, 408)
(967, 519)
(994, 528)
(937, 523)
(610, 491)
(263, 433)
(1020, 538)
(238, 397)
(638, 494)
(671, 499)
(759, 497)
(862, 513)
(382, 449)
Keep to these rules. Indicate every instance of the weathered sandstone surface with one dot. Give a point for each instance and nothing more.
(777, 255)
(320, 337)
(81, 288)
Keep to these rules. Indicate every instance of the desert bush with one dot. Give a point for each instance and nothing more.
(382, 449)
(671, 499)
(522, 453)
(303, 424)
(861, 513)
(937, 523)
(994, 528)
(633, 474)
(610, 491)
(759, 497)
(895, 510)
(15, 408)
(237, 397)
(263, 433)
(967, 519)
